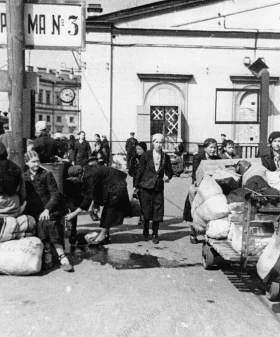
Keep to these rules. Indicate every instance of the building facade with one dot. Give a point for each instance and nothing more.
(58, 101)
(181, 68)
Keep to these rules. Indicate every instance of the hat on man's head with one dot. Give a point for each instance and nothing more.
(273, 135)
(3, 151)
(57, 135)
(132, 133)
(30, 155)
(40, 126)
(104, 136)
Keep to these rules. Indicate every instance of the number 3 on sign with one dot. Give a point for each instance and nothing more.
(75, 26)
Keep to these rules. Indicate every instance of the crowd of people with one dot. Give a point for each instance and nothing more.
(90, 182)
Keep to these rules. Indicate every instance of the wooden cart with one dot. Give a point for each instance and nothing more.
(223, 248)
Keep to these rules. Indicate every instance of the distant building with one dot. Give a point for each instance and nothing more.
(58, 100)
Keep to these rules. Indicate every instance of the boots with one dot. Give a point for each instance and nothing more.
(146, 229)
(155, 232)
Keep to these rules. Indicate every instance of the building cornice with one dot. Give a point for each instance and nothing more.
(164, 77)
(252, 79)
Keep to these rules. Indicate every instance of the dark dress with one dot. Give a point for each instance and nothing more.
(82, 152)
(133, 168)
(267, 158)
(151, 185)
(106, 150)
(42, 193)
(47, 149)
(106, 186)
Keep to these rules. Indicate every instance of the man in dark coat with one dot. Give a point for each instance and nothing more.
(82, 150)
(107, 187)
(130, 148)
(106, 149)
(44, 145)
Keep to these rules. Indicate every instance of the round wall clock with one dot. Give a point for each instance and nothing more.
(67, 95)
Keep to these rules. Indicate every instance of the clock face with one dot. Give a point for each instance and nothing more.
(67, 95)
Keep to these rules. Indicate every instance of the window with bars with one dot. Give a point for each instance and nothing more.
(58, 119)
(164, 119)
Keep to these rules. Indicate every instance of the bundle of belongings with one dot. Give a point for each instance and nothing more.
(218, 207)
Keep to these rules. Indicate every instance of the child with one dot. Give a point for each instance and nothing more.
(44, 203)
(228, 150)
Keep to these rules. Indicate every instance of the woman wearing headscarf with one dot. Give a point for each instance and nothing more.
(209, 153)
(141, 148)
(150, 182)
(107, 187)
(271, 157)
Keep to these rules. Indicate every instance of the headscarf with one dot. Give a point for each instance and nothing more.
(30, 155)
(75, 170)
(158, 136)
(40, 126)
(143, 145)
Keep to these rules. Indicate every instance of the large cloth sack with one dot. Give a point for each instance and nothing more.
(21, 257)
(218, 229)
(273, 179)
(16, 228)
(207, 188)
(209, 204)
(269, 256)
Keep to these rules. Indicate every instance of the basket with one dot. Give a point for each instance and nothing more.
(57, 170)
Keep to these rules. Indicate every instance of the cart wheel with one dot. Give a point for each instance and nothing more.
(208, 257)
(273, 291)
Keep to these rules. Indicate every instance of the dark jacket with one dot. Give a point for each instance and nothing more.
(267, 158)
(133, 168)
(42, 193)
(82, 152)
(47, 149)
(105, 185)
(130, 145)
(196, 161)
(147, 177)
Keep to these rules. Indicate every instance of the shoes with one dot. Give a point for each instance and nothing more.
(155, 239)
(193, 239)
(79, 252)
(65, 266)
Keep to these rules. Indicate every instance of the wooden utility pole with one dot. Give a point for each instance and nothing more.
(15, 42)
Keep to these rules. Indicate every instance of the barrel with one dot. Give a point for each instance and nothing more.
(57, 170)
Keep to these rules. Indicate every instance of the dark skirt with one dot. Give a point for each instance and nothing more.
(51, 231)
(152, 204)
(114, 211)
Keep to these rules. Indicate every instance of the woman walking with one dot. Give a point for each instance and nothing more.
(150, 182)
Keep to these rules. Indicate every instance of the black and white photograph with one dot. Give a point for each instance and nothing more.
(140, 168)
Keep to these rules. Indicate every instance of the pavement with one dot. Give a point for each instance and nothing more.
(135, 288)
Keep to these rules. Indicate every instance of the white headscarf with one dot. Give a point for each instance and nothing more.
(158, 136)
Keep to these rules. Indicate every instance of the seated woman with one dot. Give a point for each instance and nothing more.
(209, 153)
(44, 203)
(271, 157)
(12, 200)
(107, 187)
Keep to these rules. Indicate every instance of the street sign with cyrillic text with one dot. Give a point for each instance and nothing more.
(50, 26)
